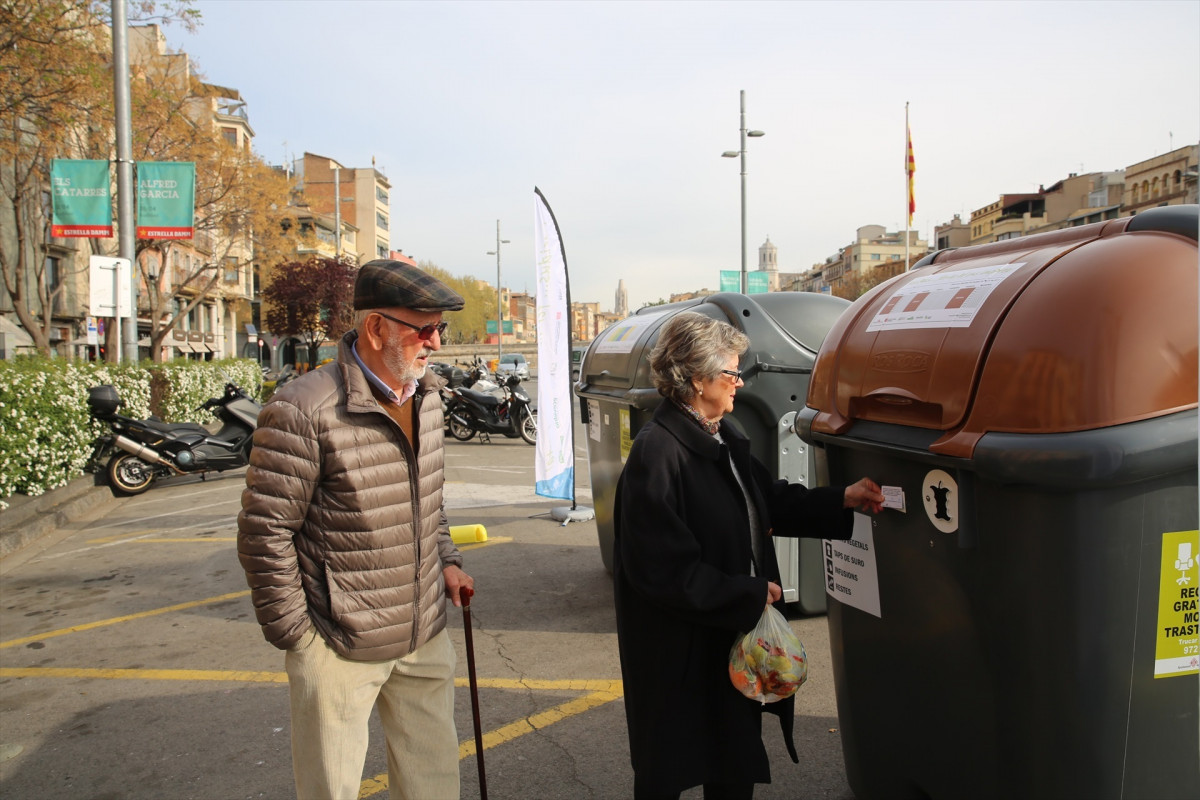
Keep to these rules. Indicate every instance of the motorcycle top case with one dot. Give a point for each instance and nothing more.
(103, 401)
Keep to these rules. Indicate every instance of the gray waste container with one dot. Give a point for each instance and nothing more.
(618, 397)
(1027, 626)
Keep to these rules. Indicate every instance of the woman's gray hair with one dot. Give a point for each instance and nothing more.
(691, 346)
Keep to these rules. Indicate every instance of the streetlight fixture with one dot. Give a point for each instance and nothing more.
(499, 314)
(742, 153)
(337, 206)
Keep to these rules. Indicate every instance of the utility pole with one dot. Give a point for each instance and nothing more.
(126, 241)
(499, 313)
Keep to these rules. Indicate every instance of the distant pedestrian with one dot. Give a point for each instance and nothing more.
(347, 549)
(695, 566)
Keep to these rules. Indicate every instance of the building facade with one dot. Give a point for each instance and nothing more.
(358, 197)
(1165, 180)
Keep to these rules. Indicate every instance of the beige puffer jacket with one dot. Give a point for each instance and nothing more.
(333, 532)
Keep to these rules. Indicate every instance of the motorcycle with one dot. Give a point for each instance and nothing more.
(138, 452)
(469, 411)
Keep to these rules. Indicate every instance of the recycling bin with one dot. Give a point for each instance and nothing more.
(618, 397)
(1022, 621)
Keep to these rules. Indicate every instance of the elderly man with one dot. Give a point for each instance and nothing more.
(347, 549)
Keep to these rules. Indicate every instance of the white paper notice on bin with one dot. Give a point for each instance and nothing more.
(942, 300)
(850, 573)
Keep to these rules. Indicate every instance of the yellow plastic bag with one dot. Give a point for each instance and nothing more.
(768, 663)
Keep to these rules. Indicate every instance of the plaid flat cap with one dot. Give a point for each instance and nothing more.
(384, 283)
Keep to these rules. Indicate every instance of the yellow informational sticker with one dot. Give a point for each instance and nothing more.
(1177, 645)
(626, 439)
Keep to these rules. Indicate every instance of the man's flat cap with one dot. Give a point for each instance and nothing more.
(384, 283)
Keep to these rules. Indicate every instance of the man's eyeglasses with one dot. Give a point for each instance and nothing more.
(424, 332)
(736, 374)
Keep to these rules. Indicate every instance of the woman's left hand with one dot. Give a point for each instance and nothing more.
(864, 495)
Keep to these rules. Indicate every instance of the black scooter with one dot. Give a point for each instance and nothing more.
(469, 412)
(138, 452)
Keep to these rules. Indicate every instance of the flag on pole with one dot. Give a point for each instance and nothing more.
(554, 474)
(910, 167)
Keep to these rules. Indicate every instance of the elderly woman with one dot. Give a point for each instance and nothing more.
(695, 567)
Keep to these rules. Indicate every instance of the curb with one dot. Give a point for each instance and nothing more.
(30, 518)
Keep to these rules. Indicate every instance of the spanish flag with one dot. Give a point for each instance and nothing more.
(910, 167)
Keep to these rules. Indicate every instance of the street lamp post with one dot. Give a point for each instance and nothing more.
(337, 206)
(499, 314)
(742, 153)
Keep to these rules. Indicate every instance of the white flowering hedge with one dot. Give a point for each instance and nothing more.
(46, 432)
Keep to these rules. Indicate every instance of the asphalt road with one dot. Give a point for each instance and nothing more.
(131, 665)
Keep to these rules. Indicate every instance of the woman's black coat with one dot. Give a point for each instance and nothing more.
(684, 592)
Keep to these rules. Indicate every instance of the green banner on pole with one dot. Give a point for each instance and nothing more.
(81, 199)
(491, 326)
(166, 201)
(757, 283)
(731, 280)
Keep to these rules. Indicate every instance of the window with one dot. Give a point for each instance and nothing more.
(381, 221)
(381, 194)
(231, 269)
(230, 135)
(381, 250)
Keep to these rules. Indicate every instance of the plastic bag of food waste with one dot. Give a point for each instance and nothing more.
(768, 663)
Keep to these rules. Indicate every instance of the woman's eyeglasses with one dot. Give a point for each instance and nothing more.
(736, 374)
(424, 332)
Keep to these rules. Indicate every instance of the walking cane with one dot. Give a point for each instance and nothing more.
(465, 593)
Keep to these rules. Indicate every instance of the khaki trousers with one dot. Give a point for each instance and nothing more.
(331, 699)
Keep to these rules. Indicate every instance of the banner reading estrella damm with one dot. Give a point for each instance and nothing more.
(81, 200)
(166, 201)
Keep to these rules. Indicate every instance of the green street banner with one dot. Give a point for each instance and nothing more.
(491, 326)
(81, 199)
(166, 200)
(756, 282)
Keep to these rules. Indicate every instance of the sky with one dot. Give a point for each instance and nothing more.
(619, 112)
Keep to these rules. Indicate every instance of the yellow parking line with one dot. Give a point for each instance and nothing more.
(190, 540)
(140, 615)
(595, 687)
(145, 674)
(492, 540)
(513, 730)
(599, 692)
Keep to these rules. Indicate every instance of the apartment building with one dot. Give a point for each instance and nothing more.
(1165, 180)
(955, 233)
(361, 199)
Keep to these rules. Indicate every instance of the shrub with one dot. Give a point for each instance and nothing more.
(46, 432)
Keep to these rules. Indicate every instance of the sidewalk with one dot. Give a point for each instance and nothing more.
(28, 518)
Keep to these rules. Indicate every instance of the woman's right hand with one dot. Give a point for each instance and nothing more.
(774, 592)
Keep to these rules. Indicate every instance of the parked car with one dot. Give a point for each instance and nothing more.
(513, 363)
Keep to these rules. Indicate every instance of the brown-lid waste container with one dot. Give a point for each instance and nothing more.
(1027, 625)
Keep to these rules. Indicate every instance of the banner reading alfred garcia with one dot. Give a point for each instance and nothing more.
(166, 200)
(81, 199)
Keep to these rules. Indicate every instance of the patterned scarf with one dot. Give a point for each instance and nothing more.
(704, 422)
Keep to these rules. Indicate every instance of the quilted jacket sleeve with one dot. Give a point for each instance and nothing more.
(285, 465)
(447, 550)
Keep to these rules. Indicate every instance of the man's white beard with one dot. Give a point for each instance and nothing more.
(404, 372)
